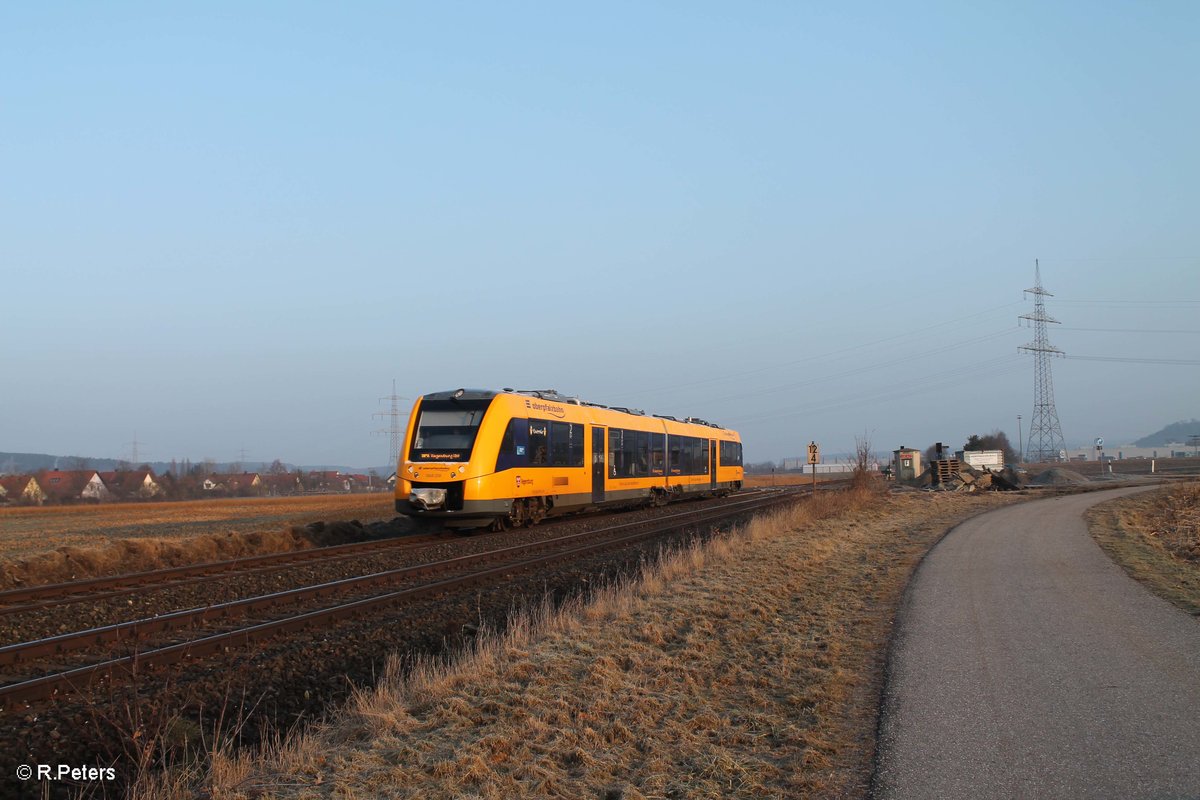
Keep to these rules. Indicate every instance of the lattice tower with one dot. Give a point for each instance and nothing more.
(395, 431)
(1045, 434)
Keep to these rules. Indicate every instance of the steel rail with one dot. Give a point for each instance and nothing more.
(49, 685)
(137, 629)
(132, 582)
(108, 587)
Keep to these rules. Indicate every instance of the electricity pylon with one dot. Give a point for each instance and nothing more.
(1045, 434)
(395, 430)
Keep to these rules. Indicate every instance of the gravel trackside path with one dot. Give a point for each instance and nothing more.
(1026, 664)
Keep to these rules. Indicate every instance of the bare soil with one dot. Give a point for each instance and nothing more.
(61, 543)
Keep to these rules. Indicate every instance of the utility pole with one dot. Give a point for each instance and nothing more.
(1021, 439)
(394, 430)
(1045, 434)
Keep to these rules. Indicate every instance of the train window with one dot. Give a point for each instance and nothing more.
(560, 444)
(507, 442)
(575, 458)
(446, 431)
(513, 445)
(731, 454)
(658, 447)
(705, 453)
(628, 453)
(675, 462)
(539, 445)
(699, 465)
(643, 454)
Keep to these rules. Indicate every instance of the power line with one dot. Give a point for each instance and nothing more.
(1128, 302)
(1131, 330)
(1175, 362)
(1001, 365)
(868, 368)
(807, 359)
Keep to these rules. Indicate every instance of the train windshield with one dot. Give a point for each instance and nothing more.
(446, 430)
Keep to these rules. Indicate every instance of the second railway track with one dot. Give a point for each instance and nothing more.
(156, 641)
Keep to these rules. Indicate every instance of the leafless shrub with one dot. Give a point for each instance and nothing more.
(865, 474)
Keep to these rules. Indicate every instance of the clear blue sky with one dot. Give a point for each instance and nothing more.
(230, 225)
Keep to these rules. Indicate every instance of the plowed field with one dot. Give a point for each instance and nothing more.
(27, 531)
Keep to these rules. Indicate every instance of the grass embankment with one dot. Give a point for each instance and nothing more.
(747, 668)
(60, 543)
(760, 481)
(1155, 537)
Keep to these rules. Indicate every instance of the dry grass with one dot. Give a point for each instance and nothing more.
(59, 543)
(1155, 537)
(790, 479)
(748, 668)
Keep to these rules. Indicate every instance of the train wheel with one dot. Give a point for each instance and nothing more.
(518, 515)
(536, 510)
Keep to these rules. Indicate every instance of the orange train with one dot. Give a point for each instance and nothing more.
(475, 458)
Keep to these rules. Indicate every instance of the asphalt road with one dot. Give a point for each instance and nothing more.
(1027, 664)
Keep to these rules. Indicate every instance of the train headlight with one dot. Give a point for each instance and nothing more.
(410, 471)
(462, 469)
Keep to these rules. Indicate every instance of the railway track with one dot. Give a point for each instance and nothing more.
(423, 581)
(34, 598)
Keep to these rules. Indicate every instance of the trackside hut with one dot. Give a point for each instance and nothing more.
(906, 464)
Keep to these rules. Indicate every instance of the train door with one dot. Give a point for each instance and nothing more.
(712, 464)
(597, 464)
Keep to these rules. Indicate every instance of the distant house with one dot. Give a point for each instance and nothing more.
(74, 484)
(364, 483)
(240, 484)
(329, 481)
(135, 484)
(288, 483)
(23, 489)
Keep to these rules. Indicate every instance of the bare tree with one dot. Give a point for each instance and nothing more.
(865, 475)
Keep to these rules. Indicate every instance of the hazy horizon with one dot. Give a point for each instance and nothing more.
(231, 227)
